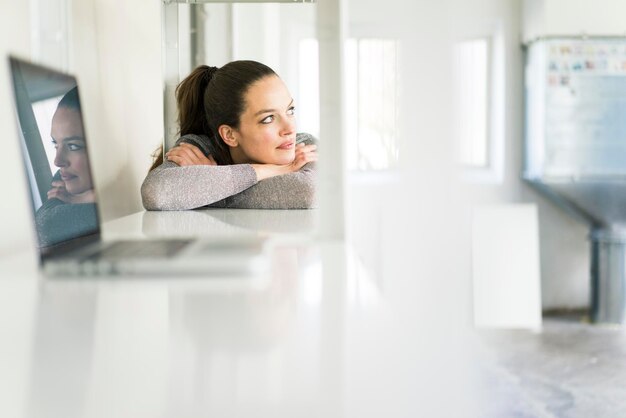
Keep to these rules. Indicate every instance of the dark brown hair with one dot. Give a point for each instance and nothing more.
(70, 100)
(210, 97)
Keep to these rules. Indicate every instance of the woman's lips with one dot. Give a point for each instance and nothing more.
(286, 145)
(67, 177)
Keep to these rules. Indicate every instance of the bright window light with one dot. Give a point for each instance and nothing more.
(308, 103)
(371, 97)
(372, 94)
(44, 111)
(472, 101)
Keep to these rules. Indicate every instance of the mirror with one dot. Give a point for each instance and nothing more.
(284, 35)
(280, 35)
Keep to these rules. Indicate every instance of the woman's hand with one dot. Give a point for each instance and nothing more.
(58, 191)
(304, 154)
(187, 154)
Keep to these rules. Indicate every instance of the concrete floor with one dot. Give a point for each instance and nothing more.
(569, 369)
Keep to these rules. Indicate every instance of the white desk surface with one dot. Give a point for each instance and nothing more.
(327, 332)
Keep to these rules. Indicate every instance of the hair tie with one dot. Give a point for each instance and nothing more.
(210, 72)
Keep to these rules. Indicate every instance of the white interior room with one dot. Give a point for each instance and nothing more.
(432, 280)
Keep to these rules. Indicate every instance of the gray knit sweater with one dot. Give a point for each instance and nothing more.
(170, 187)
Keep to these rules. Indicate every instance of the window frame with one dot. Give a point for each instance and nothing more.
(493, 171)
(354, 126)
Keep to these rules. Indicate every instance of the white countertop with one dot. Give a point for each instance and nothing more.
(332, 330)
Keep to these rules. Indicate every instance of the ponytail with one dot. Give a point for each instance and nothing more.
(190, 100)
(190, 103)
(193, 115)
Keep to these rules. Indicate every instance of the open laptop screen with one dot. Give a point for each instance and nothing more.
(53, 143)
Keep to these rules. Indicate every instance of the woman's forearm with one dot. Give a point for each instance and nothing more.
(266, 171)
(169, 187)
(288, 191)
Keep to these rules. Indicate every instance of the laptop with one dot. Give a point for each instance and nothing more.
(64, 201)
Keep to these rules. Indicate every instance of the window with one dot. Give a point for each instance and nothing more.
(308, 103)
(44, 111)
(479, 104)
(472, 76)
(371, 68)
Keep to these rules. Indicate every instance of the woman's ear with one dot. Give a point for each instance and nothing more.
(229, 136)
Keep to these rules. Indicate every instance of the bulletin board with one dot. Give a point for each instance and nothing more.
(576, 108)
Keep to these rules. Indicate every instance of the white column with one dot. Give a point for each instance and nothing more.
(331, 30)
(169, 16)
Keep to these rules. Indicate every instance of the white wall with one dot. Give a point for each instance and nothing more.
(15, 228)
(256, 31)
(118, 61)
(269, 33)
(573, 17)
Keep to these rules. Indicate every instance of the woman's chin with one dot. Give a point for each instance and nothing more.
(77, 191)
(284, 160)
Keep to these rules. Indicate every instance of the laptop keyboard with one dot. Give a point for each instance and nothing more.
(140, 249)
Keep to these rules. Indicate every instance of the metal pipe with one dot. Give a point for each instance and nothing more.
(608, 276)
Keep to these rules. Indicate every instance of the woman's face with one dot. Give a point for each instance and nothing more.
(71, 155)
(267, 127)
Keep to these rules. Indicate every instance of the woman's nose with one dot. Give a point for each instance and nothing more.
(289, 126)
(59, 158)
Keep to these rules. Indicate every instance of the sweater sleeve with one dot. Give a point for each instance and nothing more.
(289, 191)
(170, 187)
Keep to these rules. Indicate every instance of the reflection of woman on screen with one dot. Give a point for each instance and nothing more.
(70, 209)
(73, 183)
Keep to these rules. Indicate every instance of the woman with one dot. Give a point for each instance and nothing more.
(238, 147)
(70, 209)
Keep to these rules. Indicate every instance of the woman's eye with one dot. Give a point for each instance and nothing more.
(74, 147)
(291, 111)
(268, 119)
